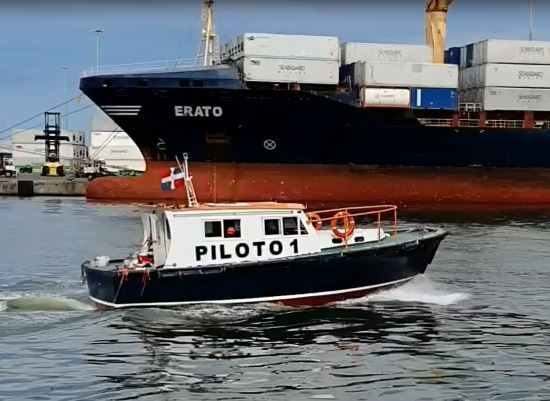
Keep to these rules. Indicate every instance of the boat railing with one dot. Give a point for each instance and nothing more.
(318, 217)
(436, 122)
(150, 66)
(470, 107)
(468, 122)
(504, 123)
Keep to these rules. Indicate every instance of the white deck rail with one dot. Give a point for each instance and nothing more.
(151, 66)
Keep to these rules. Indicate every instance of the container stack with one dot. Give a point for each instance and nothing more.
(266, 57)
(394, 75)
(506, 75)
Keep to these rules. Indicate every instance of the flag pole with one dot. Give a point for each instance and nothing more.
(190, 191)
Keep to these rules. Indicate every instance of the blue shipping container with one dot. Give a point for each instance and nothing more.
(434, 99)
(454, 55)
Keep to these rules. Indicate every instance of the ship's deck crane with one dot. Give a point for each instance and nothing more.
(436, 27)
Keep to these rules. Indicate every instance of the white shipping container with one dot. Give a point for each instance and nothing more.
(110, 138)
(385, 97)
(406, 75)
(385, 52)
(526, 99)
(511, 51)
(507, 75)
(265, 69)
(119, 156)
(283, 46)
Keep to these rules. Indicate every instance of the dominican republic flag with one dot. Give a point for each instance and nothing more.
(173, 179)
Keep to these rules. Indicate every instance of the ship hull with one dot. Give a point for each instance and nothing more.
(272, 144)
(327, 185)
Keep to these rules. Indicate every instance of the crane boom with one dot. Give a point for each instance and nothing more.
(436, 27)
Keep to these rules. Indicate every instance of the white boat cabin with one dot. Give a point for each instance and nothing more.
(218, 234)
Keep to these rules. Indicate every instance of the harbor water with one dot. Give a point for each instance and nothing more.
(475, 327)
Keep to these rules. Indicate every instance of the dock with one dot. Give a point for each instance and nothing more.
(36, 185)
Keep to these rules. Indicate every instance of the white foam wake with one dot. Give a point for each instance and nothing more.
(418, 290)
(44, 303)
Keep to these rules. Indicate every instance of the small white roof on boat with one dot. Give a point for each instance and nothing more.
(232, 206)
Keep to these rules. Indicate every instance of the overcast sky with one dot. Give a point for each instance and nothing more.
(38, 37)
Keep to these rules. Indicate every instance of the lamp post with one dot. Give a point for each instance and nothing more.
(97, 32)
(531, 20)
(65, 68)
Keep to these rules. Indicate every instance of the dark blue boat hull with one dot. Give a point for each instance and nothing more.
(307, 280)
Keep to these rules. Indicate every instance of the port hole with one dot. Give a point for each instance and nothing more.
(337, 240)
(185, 83)
(197, 83)
(359, 239)
(142, 82)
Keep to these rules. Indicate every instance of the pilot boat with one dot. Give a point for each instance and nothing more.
(237, 253)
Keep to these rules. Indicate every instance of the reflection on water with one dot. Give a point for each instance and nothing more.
(477, 327)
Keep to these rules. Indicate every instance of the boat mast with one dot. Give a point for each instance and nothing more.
(208, 49)
(436, 27)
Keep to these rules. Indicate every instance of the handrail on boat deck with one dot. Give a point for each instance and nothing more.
(317, 216)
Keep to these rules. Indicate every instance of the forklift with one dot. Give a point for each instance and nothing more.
(7, 169)
(52, 167)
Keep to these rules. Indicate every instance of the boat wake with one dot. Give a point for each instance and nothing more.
(418, 290)
(43, 304)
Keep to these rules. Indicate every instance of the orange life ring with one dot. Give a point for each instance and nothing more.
(348, 222)
(315, 219)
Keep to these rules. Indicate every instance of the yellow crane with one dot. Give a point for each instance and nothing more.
(436, 27)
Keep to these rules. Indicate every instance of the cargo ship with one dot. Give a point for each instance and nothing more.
(278, 114)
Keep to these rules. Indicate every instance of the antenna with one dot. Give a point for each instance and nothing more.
(207, 53)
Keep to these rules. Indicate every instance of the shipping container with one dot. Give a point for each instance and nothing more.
(406, 75)
(385, 52)
(509, 99)
(453, 56)
(110, 138)
(469, 55)
(508, 75)
(385, 97)
(434, 98)
(463, 57)
(511, 51)
(265, 69)
(119, 157)
(283, 46)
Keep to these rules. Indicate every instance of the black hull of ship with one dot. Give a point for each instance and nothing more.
(298, 128)
(304, 281)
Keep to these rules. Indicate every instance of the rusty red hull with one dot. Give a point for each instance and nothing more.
(322, 185)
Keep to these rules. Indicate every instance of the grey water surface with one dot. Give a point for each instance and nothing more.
(475, 327)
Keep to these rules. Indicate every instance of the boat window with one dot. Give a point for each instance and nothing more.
(303, 230)
(197, 83)
(212, 229)
(185, 82)
(232, 228)
(271, 227)
(290, 226)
